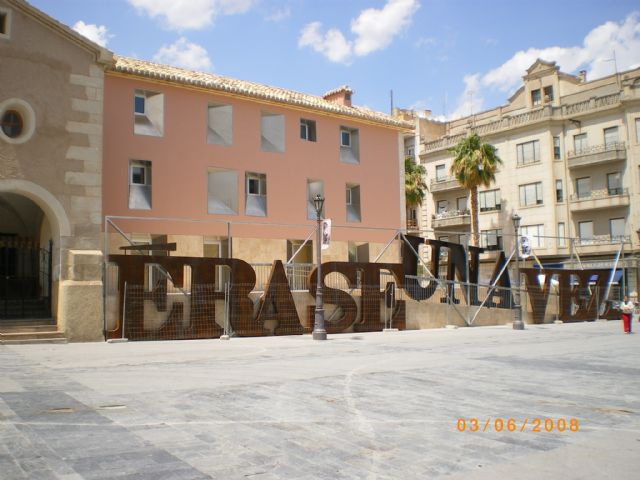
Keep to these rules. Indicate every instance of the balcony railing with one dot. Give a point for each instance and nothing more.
(598, 194)
(445, 183)
(544, 113)
(412, 225)
(597, 154)
(602, 240)
(451, 218)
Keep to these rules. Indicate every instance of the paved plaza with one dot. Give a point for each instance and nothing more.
(370, 406)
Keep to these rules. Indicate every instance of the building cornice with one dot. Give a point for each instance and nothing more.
(545, 114)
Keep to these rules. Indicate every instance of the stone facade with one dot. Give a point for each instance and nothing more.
(578, 140)
(56, 78)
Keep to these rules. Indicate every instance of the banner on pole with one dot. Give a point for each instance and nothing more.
(525, 246)
(326, 233)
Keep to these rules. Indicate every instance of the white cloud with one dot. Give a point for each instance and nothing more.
(332, 44)
(96, 33)
(279, 15)
(190, 14)
(594, 55)
(374, 29)
(183, 53)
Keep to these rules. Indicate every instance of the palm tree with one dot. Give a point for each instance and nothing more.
(475, 164)
(414, 184)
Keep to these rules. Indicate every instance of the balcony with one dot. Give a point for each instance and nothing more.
(445, 184)
(412, 226)
(600, 244)
(451, 218)
(599, 199)
(613, 152)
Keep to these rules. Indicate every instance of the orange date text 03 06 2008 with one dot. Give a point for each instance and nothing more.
(537, 425)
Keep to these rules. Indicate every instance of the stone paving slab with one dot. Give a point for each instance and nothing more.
(370, 406)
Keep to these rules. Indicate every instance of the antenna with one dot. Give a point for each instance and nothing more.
(444, 106)
(615, 66)
(391, 100)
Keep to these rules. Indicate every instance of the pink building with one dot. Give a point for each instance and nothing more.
(199, 159)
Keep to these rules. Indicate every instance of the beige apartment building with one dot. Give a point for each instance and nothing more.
(571, 154)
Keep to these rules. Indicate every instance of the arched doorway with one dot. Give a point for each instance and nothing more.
(26, 246)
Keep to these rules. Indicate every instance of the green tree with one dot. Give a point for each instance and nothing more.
(474, 165)
(414, 184)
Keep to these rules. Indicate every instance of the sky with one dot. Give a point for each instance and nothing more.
(453, 57)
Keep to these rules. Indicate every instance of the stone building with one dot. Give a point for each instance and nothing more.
(51, 110)
(571, 153)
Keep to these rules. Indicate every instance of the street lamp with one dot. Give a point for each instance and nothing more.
(319, 333)
(517, 314)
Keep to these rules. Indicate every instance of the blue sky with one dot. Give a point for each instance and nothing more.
(453, 57)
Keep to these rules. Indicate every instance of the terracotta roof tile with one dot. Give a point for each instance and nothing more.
(250, 89)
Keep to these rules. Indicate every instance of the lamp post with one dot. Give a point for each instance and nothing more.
(517, 314)
(319, 333)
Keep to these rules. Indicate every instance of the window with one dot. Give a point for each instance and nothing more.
(610, 136)
(345, 138)
(218, 247)
(148, 113)
(272, 132)
(5, 23)
(585, 230)
(528, 152)
(442, 206)
(461, 204)
(441, 173)
(535, 98)
(314, 187)
(562, 239)
(140, 184)
(559, 192)
(637, 130)
(222, 196)
(491, 239)
(616, 228)
(614, 183)
(255, 194)
(556, 148)
(358, 252)
(17, 121)
(535, 233)
(353, 202)
(138, 104)
(548, 93)
(531, 194)
(580, 143)
(12, 124)
(583, 187)
(219, 124)
(349, 145)
(489, 200)
(308, 130)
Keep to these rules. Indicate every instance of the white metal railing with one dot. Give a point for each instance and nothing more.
(602, 240)
(597, 149)
(450, 214)
(600, 193)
